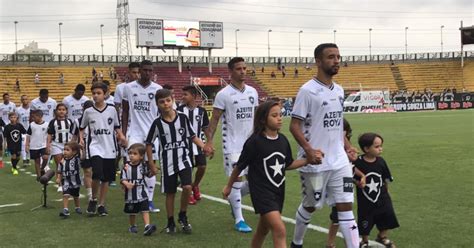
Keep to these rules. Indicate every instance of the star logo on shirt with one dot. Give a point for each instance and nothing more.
(373, 188)
(15, 135)
(274, 165)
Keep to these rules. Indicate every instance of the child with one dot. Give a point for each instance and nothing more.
(374, 203)
(133, 180)
(103, 124)
(59, 133)
(69, 177)
(36, 142)
(174, 132)
(267, 153)
(85, 158)
(12, 133)
(197, 115)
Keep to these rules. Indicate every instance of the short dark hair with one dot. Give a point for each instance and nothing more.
(43, 92)
(318, 51)
(87, 104)
(133, 65)
(75, 147)
(168, 87)
(99, 85)
(141, 149)
(367, 140)
(146, 62)
(23, 96)
(80, 87)
(234, 61)
(191, 89)
(12, 114)
(37, 112)
(5, 94)
(106, 82)
(163, 93)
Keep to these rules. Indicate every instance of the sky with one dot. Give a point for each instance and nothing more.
(317, 19)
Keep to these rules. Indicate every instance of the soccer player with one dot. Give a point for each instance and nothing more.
(317, 124)
(12, 133)
(36, 141)
(139, 110)
(45, 104)
(236, 104)
(267, 154)
(374, 205)
(69, 177)
(103, 124)
(174, 131)
(6, 107)
(24, 119)
(132, 179)
(197, 115)
(75, 101)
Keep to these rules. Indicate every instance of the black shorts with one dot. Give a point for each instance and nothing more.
(103, 169)
(135, 208)
(198, 160)
(384, 220)
(34, 154)
(74, 192)
(170, 183)
(1, 139)
(333, 216)
(14, 151)
(86, 164)
(268, 203)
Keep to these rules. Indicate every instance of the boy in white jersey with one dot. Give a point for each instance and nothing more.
(45, 104)
(103, 124)
(5, 108)
(23, 113)
(236, 103)
(139, 110)
(317, 125)
(197, 115)
(75, 101)
(37, 135)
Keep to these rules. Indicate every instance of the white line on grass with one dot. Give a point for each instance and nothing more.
(11, 205)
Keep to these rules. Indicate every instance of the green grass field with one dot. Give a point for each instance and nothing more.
(429, 154)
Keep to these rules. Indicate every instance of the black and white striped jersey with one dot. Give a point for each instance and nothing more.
(61, 130)
(199, 121)
(136, 175)
(174, 140)
(70, 172)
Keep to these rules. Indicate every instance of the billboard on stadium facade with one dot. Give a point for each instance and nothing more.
(182, 34)
(149, 33)
(212, 34)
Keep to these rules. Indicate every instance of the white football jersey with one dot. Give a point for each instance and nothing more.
(74, 106)
(110, 100)
(5, 109)
(237, 119)
(102, 124)
(142, 107)
(38, 135)
(118, 95)
(23, 116)
(320, 107)
(47, 107)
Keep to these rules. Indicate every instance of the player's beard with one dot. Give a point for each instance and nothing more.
(333, 70)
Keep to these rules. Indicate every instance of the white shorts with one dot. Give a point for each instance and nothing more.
(141, 140)
(334, 186)
(56, 148)
(230, 160)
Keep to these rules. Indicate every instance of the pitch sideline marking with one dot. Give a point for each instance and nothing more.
(11, 205)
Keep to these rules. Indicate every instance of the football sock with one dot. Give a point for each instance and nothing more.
(303, 218)
(182, 214)
(171, 221)
(348, 227)
(89, 193)
(244, 190)
(14, 163)
(150, 182)
(235, 202)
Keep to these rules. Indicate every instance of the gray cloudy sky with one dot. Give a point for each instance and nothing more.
(38, 20)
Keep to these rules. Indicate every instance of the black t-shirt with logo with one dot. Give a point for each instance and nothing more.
(375, 194)
(267, 160)
(12, 133)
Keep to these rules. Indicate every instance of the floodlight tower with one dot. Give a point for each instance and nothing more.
(124, 47)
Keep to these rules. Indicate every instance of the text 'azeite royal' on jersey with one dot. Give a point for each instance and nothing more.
(237, 119)
(320, 107)
(142, 107)
(74, 106)
(102, 124)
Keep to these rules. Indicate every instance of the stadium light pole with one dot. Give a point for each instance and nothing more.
(101, 40)
(268, 39)
(16, 40)
(60, 43)
(236, 45)
(334, 32)
(370, 43)
(299, 44)
(406, 42)
(442, 26)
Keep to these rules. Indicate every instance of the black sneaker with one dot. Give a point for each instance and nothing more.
(92, 207)
(102, 211)
(78, 210)
(149, 229)
(170, 229)
(133, 229)
(65, 213)
(185, 226)
(293, 245)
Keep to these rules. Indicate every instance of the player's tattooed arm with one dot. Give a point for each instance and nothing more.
(211, 129)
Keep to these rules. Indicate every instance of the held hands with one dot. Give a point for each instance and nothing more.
(153, 168)
(226, 192)
(128, 185)
(352, 153)
(208, 150)
(314, 156)
(361, 184)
